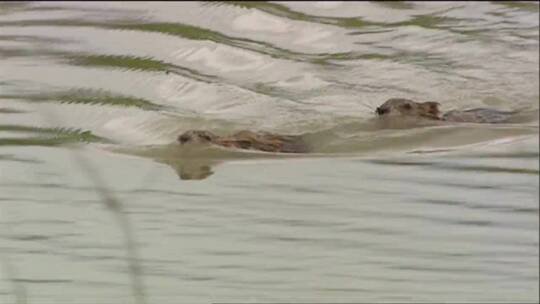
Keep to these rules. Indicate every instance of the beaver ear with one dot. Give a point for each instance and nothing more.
(432, 105)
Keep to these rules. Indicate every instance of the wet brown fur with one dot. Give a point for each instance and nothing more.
(402, 106)
(248, 140)
(430, 110)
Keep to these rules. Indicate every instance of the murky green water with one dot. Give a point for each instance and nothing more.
(98, 204)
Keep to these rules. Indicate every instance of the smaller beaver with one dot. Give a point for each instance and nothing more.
(248, 140)
(430, 110)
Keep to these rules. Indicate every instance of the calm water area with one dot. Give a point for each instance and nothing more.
(100, 204)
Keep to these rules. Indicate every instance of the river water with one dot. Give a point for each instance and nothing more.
(98, 204)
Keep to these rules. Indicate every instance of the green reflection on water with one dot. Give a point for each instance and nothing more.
(137, 63)
(87, 96)
(47, 136)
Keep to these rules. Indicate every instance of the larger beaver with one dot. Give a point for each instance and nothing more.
(430, 110)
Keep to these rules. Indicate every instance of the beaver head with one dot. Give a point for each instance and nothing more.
(196, 136)
(402, 106)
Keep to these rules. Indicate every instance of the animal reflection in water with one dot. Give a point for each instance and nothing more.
(397, 108)
(192, 169)
(196, 162)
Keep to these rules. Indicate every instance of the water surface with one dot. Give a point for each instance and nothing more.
(98, 203)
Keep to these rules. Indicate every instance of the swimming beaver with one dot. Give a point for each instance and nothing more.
(430, 110)
(248, 140)
(268, 142)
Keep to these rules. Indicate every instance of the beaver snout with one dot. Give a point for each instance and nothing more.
(381, 111)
